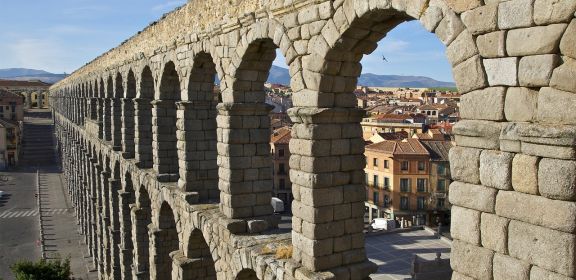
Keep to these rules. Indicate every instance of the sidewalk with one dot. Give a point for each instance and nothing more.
(61, 237)
(59, 224)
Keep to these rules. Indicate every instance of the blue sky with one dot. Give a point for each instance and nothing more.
(61, 36)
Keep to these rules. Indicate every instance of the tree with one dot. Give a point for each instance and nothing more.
(42, 270)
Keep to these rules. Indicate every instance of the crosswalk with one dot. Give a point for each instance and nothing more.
(10, 214)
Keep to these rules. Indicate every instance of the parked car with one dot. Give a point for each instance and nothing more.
(383, 224)
(277, 204)
(1, 194)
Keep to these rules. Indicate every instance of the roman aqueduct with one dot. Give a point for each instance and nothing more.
(172, 180)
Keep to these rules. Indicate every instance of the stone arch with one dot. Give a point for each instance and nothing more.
(141, 216)
(128, 118)
(164, 241)
(196, 261)
(244, 103)
(197, 124)
(247, 274)
(255, 61)
(146, 84)
(330, 74)
(165, 153)
(118, 86)
(127, 202)
(115, 186)
(143, 119)
(130, 85)
(201, 79)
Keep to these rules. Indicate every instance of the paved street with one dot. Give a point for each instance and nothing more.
(393, 253)
(19, 211)
(19, 231)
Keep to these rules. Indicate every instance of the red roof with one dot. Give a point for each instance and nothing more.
(5, 93)
(404, 147)
(281, 136)
(12, 83)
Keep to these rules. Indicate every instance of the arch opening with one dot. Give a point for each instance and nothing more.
(127, 202)
(338, 73)
(165, 240)
(164, 128)
(143, 120)
(247, 274)
(197, 126)
(128, 118)
(141, 216)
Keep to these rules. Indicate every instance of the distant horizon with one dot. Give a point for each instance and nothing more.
(62, 36)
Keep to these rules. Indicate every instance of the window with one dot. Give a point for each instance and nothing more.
(375, 197)
(366, 179)
(421, 203)
(280, 152)
(440, 203)
(421, 166)
(375, 162)
(404, 185)
(404, 203)
(282, 184)
(421, 185)
(281, 168)
(404, 166)
(433, 113)
(441, 185)
(386, 164)
(386, 182)
(386, 201)
(441, 169)
(375, 181)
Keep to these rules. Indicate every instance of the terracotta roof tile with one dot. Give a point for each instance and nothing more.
(12, 83)
(404, 147)
(281, 136)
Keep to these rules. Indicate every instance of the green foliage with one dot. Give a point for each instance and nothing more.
(42, 270)
(452, 89)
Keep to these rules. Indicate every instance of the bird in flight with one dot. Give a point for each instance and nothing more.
(384, 58)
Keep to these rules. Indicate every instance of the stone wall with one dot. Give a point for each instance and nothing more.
(514, 165)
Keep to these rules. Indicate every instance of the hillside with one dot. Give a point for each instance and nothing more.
(279, 75)
(23, 74)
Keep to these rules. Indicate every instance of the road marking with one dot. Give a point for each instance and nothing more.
(31, 213)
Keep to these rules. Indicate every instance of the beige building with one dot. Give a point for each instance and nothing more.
(10, 140)
(440, 180)
(11, 106)
(397, 176)
(279, 144)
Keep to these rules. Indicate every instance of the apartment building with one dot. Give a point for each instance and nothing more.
(439, 206)
(397, 176)
(279, 145)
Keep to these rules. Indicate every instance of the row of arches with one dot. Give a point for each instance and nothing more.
(201, 146)
(216, 144)
(128, 235)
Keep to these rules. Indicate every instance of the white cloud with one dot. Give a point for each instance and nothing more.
(168, 6)
(67, 29)
(37, 54)
(84, 11)
(393, 45)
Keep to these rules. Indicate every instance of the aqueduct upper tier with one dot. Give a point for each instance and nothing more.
(172, 180)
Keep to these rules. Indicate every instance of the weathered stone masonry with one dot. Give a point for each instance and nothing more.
(170, 180)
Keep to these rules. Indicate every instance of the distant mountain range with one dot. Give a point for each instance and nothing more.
(278, 75)
(23, 74)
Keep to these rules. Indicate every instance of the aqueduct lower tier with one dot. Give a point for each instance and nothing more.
(171, 179)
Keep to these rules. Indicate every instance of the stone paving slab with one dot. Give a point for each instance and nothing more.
(393, 253)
